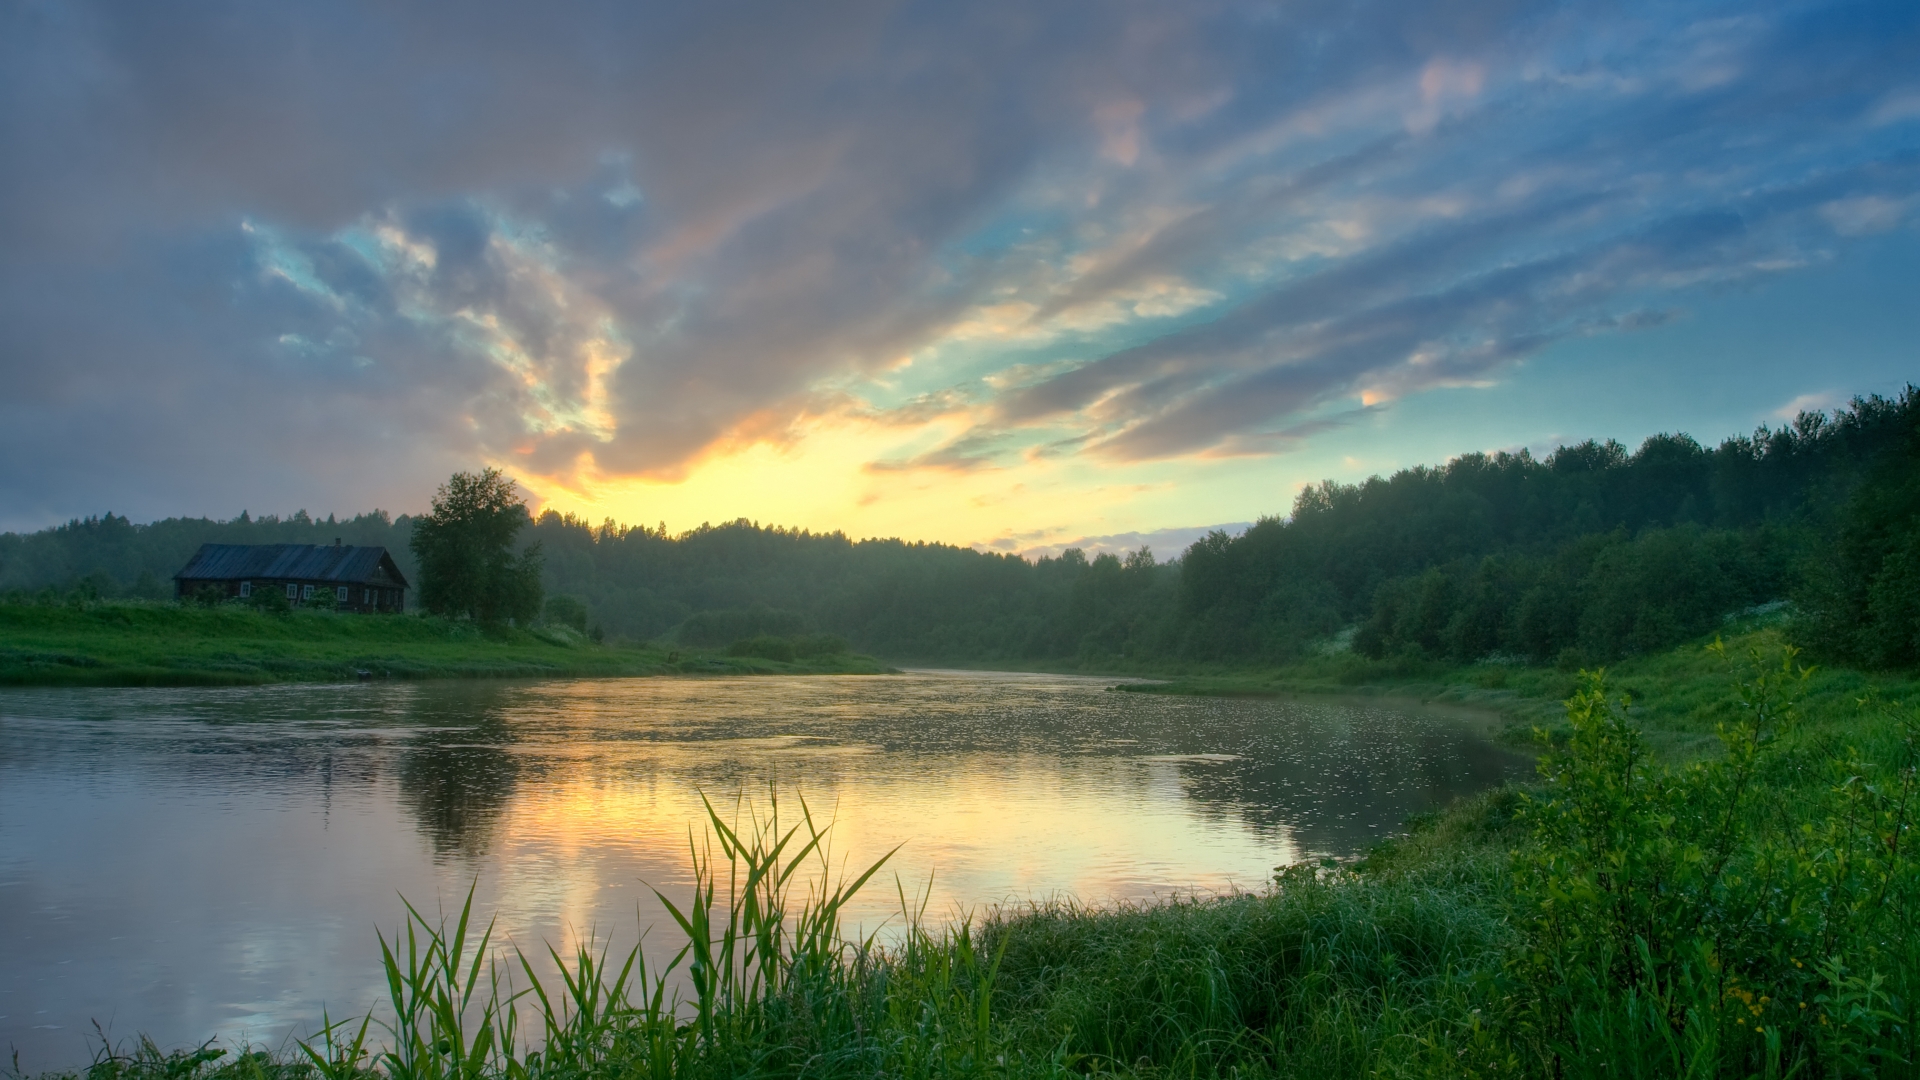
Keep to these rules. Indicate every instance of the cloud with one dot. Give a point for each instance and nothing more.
(1166, 544)
(324, 254)
(1859, 215)
(1815, 402)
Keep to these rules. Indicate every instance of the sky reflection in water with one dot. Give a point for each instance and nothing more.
(191, 862)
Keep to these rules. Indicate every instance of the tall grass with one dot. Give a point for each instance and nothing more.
(774, 986)
(1745, 914)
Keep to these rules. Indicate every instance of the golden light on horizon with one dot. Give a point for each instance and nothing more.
(833, 476)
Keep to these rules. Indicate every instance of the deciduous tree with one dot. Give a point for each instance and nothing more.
(468, 565)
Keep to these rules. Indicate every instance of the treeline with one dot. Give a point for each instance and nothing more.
(1592, 553)
(900, 599)
(891, 597)
(111, 557)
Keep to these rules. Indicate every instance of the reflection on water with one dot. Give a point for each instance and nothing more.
(456, 782)
(186, 862)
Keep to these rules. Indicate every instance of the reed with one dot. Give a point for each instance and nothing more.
(774, 985)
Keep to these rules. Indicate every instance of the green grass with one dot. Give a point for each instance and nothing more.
(1742, 903)
(1679, 696)
(133, 643)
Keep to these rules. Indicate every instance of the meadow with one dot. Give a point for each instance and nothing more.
(162, 643)
(1713, 876)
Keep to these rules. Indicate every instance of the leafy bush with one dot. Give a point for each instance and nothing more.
(269, 598)
(788, 649)
(567, 611)
(764, 646)
(819, 645)
(1687, 921)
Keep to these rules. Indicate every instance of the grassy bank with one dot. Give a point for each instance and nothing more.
(1740, 903)
(133, 643)
(1679, 695)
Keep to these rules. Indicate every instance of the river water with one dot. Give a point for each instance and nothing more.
(199, 862)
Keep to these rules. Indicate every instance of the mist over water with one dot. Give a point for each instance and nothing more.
(194, 862)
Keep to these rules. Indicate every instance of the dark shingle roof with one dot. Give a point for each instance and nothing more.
(294, 562)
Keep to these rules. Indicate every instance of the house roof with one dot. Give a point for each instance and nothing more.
(296, 562)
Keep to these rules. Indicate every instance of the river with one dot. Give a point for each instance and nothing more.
(197, 862)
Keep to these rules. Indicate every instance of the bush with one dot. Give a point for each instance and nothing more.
(788, 649)
(764, 646)
(567, 611)
(711, 628)
(1686, 920)
(819, 645)
(269, 598)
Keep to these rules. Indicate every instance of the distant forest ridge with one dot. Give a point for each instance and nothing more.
(1591, 553)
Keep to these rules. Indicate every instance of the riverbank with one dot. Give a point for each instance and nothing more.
(1679, 696)
(132, 643)
(1715, 876)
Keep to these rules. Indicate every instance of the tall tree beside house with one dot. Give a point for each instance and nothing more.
(465, 548)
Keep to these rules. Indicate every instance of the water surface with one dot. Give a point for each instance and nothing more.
(195, 862)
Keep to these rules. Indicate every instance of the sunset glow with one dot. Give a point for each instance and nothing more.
(926, 274)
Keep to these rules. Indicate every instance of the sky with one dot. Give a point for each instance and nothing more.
(1011, 274)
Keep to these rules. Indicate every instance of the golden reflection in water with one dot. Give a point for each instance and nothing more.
(984, 832)
(215, 862)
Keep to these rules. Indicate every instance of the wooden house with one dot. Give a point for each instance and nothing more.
(360, 578)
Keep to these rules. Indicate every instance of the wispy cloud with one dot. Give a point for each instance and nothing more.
(611, 242)
(1815, 402)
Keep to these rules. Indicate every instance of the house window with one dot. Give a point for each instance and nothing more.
(368, 598)
(306, 593)
(340, 594)
(246, 589)
(293, 591)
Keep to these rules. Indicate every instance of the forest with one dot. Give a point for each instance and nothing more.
(1583, 556)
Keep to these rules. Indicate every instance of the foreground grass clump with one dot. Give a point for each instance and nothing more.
(1748, 912)
(161, 643)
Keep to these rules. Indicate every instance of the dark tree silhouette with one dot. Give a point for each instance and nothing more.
(465, 548)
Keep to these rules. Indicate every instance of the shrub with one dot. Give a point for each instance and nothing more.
(710, 628)
(764, 646)
(269, 598)
(567, 611)
(1688, 921)
(819, 645)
